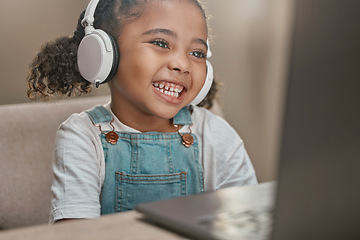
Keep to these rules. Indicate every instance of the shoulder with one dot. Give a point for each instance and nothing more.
(79, 121)
(223, 154)
(202, 115)
(208, 123)
(78, 127)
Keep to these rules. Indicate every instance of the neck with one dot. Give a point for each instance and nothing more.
(139, 120)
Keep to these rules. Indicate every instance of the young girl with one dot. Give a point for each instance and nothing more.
(149, 143)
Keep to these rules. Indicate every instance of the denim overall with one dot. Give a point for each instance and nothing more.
(146, 167)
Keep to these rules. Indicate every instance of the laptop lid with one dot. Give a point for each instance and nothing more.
(230, 213)
(319, 181)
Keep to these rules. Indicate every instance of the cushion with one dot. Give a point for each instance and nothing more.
(27, 137)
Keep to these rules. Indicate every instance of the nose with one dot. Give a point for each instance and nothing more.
(180, 62)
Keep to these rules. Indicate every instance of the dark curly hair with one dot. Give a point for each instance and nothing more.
(54, 70)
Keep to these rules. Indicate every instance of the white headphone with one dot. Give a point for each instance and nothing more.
(98, 55)
(208, 80)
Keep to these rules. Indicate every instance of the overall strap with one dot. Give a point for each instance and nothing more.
(99, 114)
(183, 117)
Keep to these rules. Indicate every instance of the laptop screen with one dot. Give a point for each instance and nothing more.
(318, 181)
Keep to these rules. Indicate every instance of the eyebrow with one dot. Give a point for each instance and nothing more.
(201, 41)
(173, 34)
(160, 30)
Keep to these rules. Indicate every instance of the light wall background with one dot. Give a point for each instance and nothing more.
(250, 49)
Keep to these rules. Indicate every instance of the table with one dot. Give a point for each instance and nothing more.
(127, 225)
(130, 225)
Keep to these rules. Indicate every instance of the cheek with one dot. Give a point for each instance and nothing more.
(137, 64)
(132, 69)
(129, 67)
(200, 77)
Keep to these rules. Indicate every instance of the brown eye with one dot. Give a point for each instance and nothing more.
(198, 54)
(160, 43)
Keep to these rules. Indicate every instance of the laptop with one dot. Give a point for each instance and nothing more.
(317, 192)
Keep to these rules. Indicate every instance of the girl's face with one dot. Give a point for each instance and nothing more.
(162, 59)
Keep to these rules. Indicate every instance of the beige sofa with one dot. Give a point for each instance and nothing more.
(27, 133)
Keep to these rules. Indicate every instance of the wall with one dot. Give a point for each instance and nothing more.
(249, 56)
(251, 42)
(25, 26)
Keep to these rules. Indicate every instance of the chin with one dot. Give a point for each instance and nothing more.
(167, 113)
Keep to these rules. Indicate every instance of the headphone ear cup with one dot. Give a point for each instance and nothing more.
(98, 57)
(116, 59)
(207, 84)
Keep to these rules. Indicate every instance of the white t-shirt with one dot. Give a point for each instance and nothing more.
(79, 164)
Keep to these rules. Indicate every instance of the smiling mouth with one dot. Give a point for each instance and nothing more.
(170, 89)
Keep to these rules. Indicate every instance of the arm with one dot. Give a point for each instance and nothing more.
(224, 157)
(235, 167)
(76, 184)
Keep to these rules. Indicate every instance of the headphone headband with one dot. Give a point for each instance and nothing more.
(209, 53)
(208, 80)
(88, 19)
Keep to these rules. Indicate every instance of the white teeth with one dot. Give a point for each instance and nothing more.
(168, 90)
